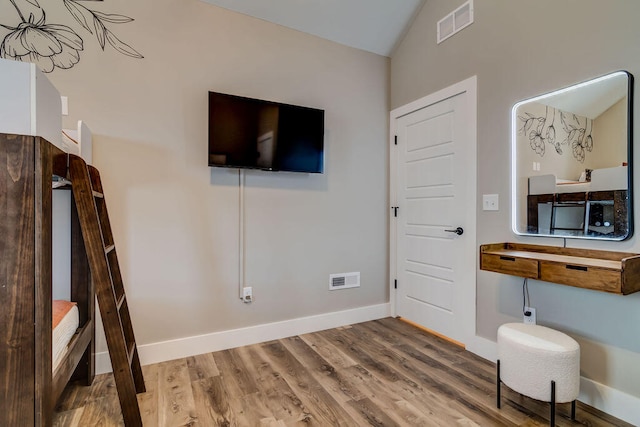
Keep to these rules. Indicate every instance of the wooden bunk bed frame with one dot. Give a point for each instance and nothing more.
(29, 389)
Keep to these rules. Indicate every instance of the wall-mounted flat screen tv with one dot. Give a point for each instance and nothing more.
(256, 134)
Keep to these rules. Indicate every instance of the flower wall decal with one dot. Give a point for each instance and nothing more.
(542, 132)
(53, 46)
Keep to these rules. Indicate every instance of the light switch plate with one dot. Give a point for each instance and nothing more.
(490, 202)
(65, 105)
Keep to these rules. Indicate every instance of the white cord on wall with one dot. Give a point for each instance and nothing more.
(241, 253)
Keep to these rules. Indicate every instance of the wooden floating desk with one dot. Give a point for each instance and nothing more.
(614, 272)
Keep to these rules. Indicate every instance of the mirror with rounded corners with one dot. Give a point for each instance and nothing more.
(571, 171)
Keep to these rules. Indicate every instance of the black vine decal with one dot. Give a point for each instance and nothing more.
(55, 45)
(577, 136)
(541, 131)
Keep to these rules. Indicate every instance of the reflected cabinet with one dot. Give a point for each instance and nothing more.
(588, 214)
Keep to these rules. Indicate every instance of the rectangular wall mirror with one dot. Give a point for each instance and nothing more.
(571, 165)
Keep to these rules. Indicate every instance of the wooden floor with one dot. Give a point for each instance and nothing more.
(380, 373)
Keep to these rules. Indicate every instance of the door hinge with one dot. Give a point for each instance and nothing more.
(395, 211)
(395, 141)
(395, 284)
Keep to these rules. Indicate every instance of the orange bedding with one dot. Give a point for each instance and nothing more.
(60, 309)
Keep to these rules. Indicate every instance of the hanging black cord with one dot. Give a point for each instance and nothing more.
(526, 301)
(524, 298)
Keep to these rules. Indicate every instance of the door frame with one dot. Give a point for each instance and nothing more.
(468, 86)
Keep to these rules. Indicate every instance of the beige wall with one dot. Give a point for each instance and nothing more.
(610, 128)
(519, 49)
(175, 220)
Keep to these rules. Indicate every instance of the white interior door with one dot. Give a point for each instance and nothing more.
(435, 264)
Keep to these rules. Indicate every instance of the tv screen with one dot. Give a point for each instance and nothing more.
(257, 134)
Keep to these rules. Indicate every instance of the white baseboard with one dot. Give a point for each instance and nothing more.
(610, 400)
(600, 396)
(216, 341)
(484, 348)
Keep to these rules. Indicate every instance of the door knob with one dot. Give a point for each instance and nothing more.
(458, 231)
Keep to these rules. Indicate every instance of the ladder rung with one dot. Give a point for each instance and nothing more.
(130, 351)
(105, 273)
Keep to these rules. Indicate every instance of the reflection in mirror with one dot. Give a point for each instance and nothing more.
(571, 161)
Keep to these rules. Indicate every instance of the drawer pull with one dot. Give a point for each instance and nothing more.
(576, 267)
(507, 258)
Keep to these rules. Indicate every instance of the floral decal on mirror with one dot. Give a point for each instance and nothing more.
(53, 45)
(573, 132)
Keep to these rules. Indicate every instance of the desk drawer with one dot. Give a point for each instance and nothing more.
(596, 278)
(510, 265)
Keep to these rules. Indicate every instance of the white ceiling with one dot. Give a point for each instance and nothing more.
(372, 25)
(591, 98)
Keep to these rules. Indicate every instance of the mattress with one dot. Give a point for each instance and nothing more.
(564, 186)
(549, 184)
(69, 142)
(65, 323)
(78, 141)
(605, 179)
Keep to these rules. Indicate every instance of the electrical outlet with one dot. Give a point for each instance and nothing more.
(490, 202)
(531, 318)
(247, 294)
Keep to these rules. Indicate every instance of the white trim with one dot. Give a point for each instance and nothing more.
(185, 347)
(393, 200)
(609, 400)
(470, 87)
(484, 348)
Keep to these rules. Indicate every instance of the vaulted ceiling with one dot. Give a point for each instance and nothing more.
(372, 25)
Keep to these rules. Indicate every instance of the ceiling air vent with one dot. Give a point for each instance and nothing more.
(455, 21)
(344, 281)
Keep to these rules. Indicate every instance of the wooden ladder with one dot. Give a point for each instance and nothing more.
(105, 272)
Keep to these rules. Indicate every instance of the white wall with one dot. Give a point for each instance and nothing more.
(520, 49)
(175, 220)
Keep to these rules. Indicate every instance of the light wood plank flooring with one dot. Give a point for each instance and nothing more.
(379, 373)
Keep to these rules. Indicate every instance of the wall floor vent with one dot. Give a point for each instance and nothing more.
(344, 281)
(455, 21)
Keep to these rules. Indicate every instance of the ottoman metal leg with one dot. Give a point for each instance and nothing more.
(552, 417)
(573, 410)
(498, 384)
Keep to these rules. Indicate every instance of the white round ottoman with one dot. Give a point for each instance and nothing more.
(540, 363)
